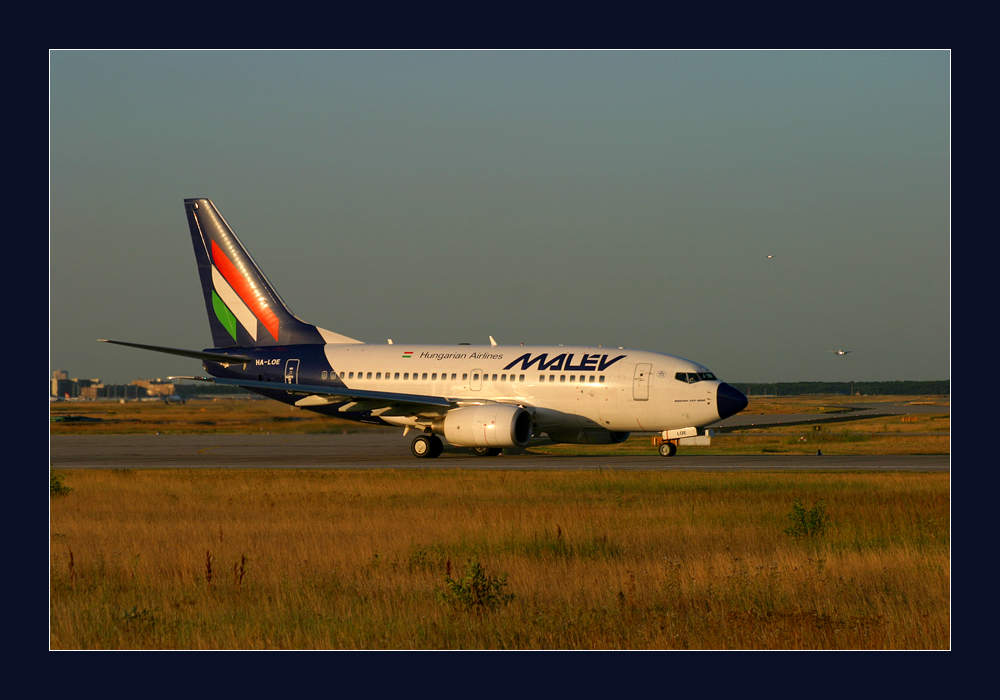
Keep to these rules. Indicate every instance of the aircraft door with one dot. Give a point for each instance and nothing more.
(291, 372)
(640, 381)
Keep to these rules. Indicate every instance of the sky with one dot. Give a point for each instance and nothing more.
(615, 198)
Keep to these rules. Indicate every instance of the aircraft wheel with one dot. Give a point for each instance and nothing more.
(668, 449)
(426, 446)
(486, 451)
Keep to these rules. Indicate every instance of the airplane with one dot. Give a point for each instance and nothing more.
(840, 352)
(486, 398)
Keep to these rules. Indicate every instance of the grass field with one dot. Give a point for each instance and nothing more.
(452, 559)
(386, 559)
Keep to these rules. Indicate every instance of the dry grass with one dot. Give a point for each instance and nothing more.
(210, 559)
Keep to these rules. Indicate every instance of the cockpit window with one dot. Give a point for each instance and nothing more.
(692, 377)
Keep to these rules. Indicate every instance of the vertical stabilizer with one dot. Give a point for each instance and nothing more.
(244, 310)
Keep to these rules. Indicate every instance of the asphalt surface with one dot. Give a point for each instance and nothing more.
(392, 451)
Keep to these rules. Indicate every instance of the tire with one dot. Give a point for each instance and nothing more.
(426, 446)
(668, 449)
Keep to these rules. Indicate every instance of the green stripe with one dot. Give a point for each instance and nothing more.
(224, 315)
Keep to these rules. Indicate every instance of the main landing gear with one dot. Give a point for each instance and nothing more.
(426, 446)
(430, 446)
(486, 451)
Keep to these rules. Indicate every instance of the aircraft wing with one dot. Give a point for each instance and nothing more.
(318, 395)
(750, 422)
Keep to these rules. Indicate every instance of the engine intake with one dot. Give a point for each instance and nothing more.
(488, 425)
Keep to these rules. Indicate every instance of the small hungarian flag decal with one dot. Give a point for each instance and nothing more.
(407, 354)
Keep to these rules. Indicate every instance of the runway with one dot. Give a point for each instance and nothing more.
(385, 450)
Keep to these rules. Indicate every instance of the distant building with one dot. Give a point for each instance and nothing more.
(60, 383)
(156, 387)
(115, 391)
(66, 388)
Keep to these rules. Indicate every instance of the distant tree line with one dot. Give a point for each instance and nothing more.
(940, 387)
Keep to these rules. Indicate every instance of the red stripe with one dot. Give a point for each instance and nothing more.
(244, 290)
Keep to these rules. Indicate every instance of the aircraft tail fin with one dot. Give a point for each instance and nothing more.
(244, 310)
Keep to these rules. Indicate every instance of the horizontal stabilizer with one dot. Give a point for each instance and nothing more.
(219, 357)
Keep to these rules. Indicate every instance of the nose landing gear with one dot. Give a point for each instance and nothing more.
(668, 449)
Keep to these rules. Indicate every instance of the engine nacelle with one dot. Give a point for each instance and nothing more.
(589, 437)
(488, 425)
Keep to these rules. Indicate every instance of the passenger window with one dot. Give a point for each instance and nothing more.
(352, 375)
(322, 375)
(591, 379)
(434, 377)
(406, 375)
(465, 377)
(503, 377)
(562, 377)
(572, 378)
(425, 376)
(494, 377)
(475, 377)
(602, 379)
(397, 376)
(541, 378)
(378, 375)
(520, 378)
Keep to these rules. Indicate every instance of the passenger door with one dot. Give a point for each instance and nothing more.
(640, 381)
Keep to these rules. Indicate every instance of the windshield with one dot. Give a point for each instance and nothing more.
(692, 377)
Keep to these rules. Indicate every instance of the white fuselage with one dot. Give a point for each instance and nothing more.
(584, 388)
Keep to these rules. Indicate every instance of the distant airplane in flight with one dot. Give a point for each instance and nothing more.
(481, 397)
(840, 352)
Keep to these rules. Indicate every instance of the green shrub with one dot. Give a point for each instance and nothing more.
(56, 487)
(477, 591)
(810, 523)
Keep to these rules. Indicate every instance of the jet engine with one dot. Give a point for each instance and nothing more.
(589, 437)
(487, 425)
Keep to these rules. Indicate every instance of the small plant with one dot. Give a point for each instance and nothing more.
(56, 487)
(137, 616)
(239, 571)
(477, 591)
(809, 523)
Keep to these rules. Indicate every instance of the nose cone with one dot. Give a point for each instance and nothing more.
(730, 401)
